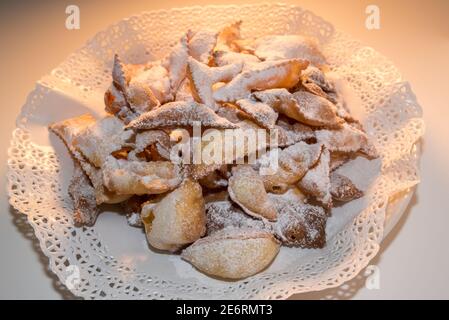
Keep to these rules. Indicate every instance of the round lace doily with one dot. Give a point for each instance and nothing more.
(111, 268)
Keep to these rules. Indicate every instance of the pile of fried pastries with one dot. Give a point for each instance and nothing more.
(227, 220)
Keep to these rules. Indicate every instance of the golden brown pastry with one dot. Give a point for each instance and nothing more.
(158, 139)
(116, 104)
(316, 181)
(343, 189)
(299, 224)
(176, 64)
(289, 134)
(141, 85)
(222, 213)
(246, 188)
(178, 219)
(180, 114)
(82, 194)
(99, 139)
(67, 131)
(233, 253)
(203, 78)
(302, 106)
(261, 76)
(216, 179)
(138, 88)
(293, 163)
(260, 112)
(337, 159)
(138, 177)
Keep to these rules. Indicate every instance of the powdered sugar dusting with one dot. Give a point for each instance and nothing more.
(299, 224)
(346, 139)
(201, 45)
(316, 181)
(202, 78)
(262, 113)
(180, 114)
(262, 76)
(290, 134)
(223, 214)
(288, 47)
(222, 58)
(314, 110)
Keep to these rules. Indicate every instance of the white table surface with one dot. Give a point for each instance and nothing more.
(414, 260)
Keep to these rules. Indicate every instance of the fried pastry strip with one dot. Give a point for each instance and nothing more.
(178, 219)
(67, 130)
(278, 47)
(348, 139)
(260, 112)
(157, 138)
(262, 76)
(116, 104)
(246, 188)
(289, 134)
(298, 224)
(180, 114)
(202, 44)
(141, 85)
(137, 177)
(343, 189)
(293, 164)
(233, 253)
(82, 194)
(138, 88)
(176, 64)
(99, 139)
(202, 79)
(224, 214)
(302, 106)
(316, 181)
